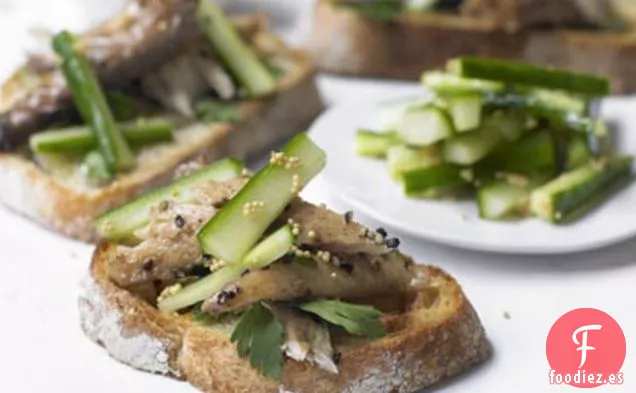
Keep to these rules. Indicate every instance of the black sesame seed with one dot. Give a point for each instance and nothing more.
(336, 357)
(348, 216)
(382, 232)
(346, 266)
(207, 257)
(199, 271)
(238, 289)
(231, 295)
(393, 242)
(245, 272)
(148, 265)
(179, 221)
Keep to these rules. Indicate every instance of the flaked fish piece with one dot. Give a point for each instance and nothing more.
(305, 339)
(323, 229)
(141, 38)
(358, 277)
(169, 247)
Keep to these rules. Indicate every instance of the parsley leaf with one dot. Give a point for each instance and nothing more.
(378, 10)
(211, 111)
(259, 335)
(356, 319)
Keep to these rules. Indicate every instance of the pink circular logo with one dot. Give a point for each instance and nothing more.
(586, 348)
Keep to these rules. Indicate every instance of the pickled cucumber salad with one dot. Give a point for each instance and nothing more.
(520, 140)
(202, 83)
(243, 253)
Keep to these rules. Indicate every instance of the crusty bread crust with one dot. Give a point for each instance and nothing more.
(344, 42)
(425, 345)
(69, 210)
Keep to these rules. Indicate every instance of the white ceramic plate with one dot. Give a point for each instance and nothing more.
(365, 185)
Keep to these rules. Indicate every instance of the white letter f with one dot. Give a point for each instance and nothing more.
(584, 347)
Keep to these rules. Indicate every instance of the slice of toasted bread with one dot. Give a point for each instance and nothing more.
(438, 336)
(70, 208)
(344, 42)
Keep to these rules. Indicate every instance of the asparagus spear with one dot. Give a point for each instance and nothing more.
(81, 139)
(238, 57)
(91, 104)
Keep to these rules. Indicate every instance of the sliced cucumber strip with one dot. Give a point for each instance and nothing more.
(512, 124)
(241, 61)
(534, 152)
(569, 104)
(578, 152)
(501, 200)
(81, 139)
(274, 247)
(425, 125)
(202, 289)
(445, 83)
(465, 110)
(375, 144)
(121, 222)
(234, 230)
(390, 113)
(268, 251)
(577, 191)
(525, 74)
(96, 169)
(403, 158)
(469, 148)
(434, 177)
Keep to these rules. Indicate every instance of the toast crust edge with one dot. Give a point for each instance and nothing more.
(418, 353)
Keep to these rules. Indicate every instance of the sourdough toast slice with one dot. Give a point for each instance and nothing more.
(343, 41)
(68, 207)
(437, 336)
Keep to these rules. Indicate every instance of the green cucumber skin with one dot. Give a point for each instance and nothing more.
(268, 251)
(120, 223)
(375, 144)
(229, 235)
(536, 151)
(449, 84)
(434, 177)
(577, 152)
(81, 139)
(241, 61)
(570, 194)
(525, 74)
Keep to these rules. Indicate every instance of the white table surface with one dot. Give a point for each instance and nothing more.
(43, 349)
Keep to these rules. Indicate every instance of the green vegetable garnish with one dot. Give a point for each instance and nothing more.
(259, 336)
(210, 111)
(358, 320)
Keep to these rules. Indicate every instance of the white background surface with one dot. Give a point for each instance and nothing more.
(42, 348)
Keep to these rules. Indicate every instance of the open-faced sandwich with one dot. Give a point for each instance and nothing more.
(235, 284)
(117, 110)
(399, 38)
